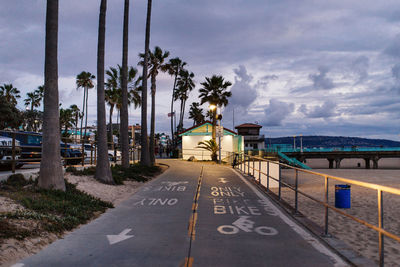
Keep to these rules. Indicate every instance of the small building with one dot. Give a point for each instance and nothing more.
(230, 142)
(252, 138)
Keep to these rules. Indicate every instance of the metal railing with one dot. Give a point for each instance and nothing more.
(247, 164)
(13, 154)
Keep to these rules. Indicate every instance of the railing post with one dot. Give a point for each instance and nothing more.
(326, 233)
(296, 210)
(280, 182)
(259, 171)
(267, 175)
(248, 165)
(13, 153)
(380, 224)
(254, 168)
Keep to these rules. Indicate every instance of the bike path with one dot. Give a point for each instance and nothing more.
(158, 216)
(232, 225)
(238, 226)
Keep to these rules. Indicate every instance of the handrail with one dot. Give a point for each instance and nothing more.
(242, 159)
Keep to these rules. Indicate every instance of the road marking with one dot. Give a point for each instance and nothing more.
(193, 220)
(156, 202)
(189, 262)
(246, 225)
(18, 265)
(222, 180)
(337, 261)
(113, 239)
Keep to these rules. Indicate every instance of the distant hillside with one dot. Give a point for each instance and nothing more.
(333, 141)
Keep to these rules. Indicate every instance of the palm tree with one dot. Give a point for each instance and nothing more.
(75, 114)
(156, 63)
(211, 146)
(124, 135)
(196, 113)
(185, 84)
(40, 93)
(32, 100)
(10, 93)
(175, 66)
(145, 157)
(215, 92)
(113, 93)
(85, 80)
(66, 120)
(51, 173)
(103, 171)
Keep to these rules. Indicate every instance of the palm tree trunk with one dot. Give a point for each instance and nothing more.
(124, 86)
(214, 123)
(87, 96)
(152, 120)
(145, 157)
(110, 121)
(183, 112)
(83, 112)
(103, 171)
(172, 110)
(51, 173)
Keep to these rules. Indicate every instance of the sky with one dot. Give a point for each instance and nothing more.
(297, 67)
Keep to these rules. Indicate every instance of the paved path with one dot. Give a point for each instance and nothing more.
(193, 214)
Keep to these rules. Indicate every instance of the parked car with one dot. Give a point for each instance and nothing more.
(31, 147)
(6, 153)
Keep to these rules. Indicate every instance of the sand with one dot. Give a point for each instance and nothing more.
(12, 250)
(363, 206)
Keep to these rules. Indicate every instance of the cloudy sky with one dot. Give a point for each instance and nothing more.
(297, 67)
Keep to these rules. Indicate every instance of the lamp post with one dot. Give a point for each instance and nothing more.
(301, 143)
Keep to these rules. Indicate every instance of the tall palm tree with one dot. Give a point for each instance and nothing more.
(10, 93)
(185, 84)
(124, 134)
(215, 92)
(156, 64)
(51, 173)
(32, 100)
(196, 113)
(145, 157)
(113, 93)
(175, 66)
(85, 80)
(103, 171)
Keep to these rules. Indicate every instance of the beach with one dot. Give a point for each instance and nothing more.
(364, 206)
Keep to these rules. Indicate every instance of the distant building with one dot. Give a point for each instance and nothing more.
(230, 142)
(252, 138)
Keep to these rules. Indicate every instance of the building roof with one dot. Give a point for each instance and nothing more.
(248, 125)
(192, 130)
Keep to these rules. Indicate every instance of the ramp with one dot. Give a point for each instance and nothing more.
(293, 161)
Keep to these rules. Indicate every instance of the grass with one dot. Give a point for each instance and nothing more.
(45, 210)
(135, 172)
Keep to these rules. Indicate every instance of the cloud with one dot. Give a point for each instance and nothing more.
(360, 67)
(326, 110)
(276, 112)
(320, 80)
(393, 49)
(243, 93)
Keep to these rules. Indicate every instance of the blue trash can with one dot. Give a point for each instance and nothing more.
(342, 196)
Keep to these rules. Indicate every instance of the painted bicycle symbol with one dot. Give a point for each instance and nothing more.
(246, 225)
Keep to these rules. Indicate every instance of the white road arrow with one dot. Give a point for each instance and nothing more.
(120, 237)
(222, 180)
